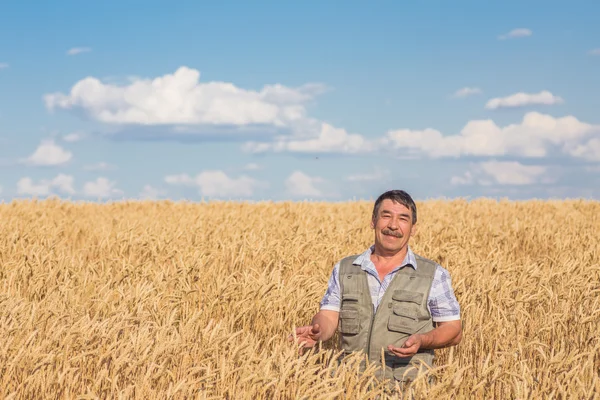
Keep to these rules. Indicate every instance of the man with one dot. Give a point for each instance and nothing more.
(389, 298)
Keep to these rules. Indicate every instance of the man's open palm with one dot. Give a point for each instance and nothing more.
(309, 335)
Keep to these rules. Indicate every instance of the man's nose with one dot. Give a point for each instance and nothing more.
(393, 224)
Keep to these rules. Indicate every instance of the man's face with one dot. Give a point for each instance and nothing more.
(393, 226)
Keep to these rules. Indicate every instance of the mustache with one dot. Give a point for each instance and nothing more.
(391, 233)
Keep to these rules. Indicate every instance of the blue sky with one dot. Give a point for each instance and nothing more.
(305, 100)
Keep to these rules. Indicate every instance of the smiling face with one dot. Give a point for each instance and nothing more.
(393, 227)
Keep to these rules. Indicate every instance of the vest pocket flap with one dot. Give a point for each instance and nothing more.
(406, 295)
(349, 314)
(349, 322)
(405, 325)
(401, 324)
(350, 297)
(404, 311)
(405, 320)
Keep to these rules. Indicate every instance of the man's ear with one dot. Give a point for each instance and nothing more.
(413, 230)
(372, 223)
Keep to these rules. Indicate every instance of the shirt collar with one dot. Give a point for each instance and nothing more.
(365, 259)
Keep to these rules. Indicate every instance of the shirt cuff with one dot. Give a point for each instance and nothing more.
(446, 318)
(331, 307)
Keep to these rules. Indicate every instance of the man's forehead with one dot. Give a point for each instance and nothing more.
(393, 207)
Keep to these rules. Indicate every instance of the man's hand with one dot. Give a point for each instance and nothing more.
(307, 336)
(444, 335)
(321, 329)
(410, 347)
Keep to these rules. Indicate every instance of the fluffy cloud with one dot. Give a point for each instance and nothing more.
(588, 151)
(524, 99)
(3, 65)
(502, 173)
(467, 91)
(594, 52)
(181, 101)
(78, 50)
(533, 137)
(516, 33)
(330, 140)
(301, 185)
(151, 193)
(73, 137)
(216, 183)
(49, 154)
(63, 183)
(101, 188)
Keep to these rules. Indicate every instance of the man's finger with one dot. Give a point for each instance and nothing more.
(402, 352)
(303, 330)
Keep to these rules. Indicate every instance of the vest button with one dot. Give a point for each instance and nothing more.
(349, 276)
(389, 305)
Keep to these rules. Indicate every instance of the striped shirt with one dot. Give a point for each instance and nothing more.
(442, 302)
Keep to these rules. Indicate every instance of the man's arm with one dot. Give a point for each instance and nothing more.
(325, 322)
(448, 333)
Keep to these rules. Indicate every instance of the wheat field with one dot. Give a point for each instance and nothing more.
(196, 300)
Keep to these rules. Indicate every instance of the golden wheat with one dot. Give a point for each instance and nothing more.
(182, 300)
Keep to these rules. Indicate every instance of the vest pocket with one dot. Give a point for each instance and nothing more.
(349, 322)
(403, 320)
(408, 296)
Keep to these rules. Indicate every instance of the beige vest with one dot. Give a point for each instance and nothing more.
(402, 312)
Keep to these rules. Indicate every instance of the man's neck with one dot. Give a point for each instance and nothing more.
(389, 258)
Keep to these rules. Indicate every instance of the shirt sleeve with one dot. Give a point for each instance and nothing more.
(332, 299)
(443, 304)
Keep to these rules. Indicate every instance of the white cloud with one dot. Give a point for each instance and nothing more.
(3, 65)
(502, 173)
(467, 91)
(180, 99)
(78, 50)
(49, 154)
(516, 33)
(330, 140)
(533, 137)
(64, 184)
(216, 183)
(101, 166)
(512, 172)
(26, 186)
(589, 151)
(301, 185)
(74, 137)
(376, 175)
(594, 52)
(101, 188)
(151, 193)
(466, 179)
(251, 167)
(522, 99)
